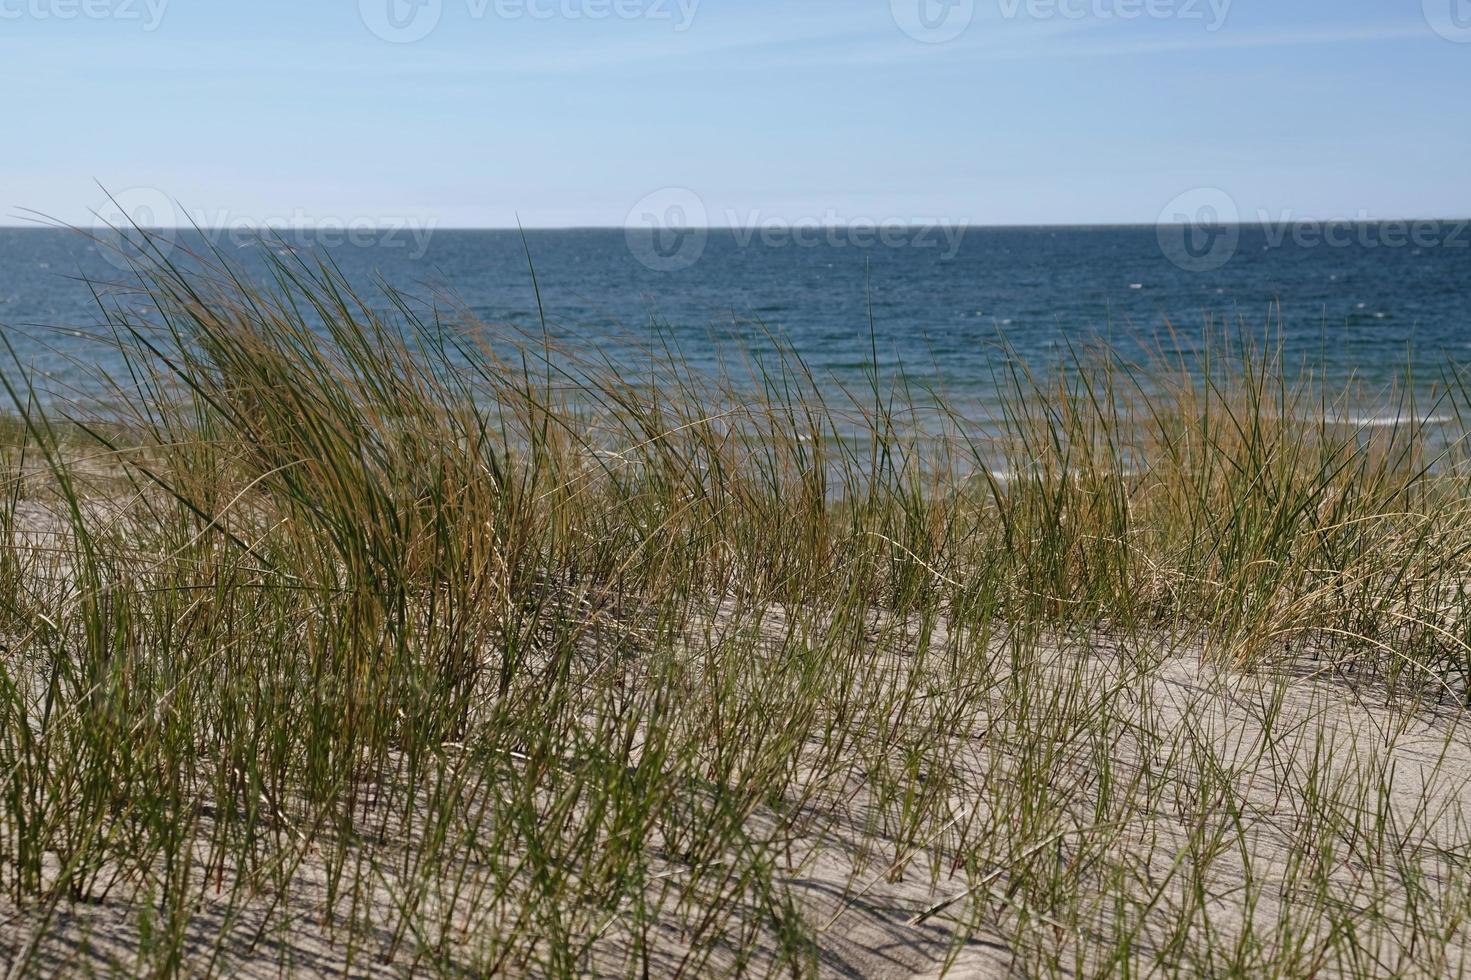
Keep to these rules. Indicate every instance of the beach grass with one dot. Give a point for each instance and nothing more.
(356, 638)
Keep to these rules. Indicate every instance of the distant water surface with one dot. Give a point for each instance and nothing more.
(1356, 308)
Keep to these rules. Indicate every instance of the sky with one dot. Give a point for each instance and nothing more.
(480, 113)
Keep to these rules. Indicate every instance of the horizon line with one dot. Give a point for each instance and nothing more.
(40, 226)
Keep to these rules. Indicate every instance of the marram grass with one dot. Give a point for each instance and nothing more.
(348, 640)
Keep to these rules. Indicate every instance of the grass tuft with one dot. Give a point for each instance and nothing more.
(352, 638)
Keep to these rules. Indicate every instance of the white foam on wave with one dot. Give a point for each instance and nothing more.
(1388, 421)
(1011, 476)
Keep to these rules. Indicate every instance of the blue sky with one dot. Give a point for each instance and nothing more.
(570, 112)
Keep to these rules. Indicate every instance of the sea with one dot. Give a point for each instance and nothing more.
(946, 306)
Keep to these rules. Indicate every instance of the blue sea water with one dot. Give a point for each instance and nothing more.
(934, 300)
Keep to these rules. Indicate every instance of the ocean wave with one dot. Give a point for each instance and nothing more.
(1387, 421)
